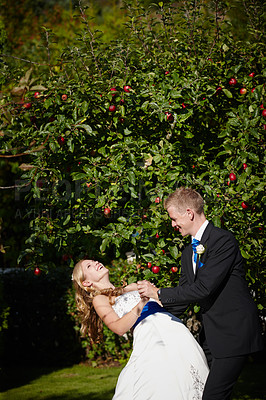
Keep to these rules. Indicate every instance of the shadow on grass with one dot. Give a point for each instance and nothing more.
(107, 395)
(251, 384)
(12, 377)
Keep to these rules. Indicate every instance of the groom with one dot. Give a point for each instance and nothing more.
(212, 276)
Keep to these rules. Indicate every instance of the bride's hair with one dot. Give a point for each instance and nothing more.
(91, 323)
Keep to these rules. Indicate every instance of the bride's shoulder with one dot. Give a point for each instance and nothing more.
(100, 300)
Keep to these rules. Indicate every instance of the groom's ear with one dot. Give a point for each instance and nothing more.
(190, 213)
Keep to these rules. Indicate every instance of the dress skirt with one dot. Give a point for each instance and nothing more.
(166, 363)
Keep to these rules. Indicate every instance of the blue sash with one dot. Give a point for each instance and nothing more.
(151, 307)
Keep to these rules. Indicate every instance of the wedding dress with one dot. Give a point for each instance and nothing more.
(166, 363)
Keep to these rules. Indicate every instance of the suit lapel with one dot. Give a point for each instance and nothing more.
(206, 234)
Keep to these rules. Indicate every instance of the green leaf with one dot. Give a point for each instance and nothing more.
(244, 253)
(173, 251)
(66, 221)
(87, 128)
(196, 309)
(131, 177)
(227, 93)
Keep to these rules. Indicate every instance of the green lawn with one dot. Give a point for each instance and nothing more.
(83, 382)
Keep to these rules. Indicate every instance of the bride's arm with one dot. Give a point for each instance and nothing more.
(131, 287)
(118, 325)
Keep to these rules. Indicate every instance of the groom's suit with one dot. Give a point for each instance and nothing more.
(229, 315)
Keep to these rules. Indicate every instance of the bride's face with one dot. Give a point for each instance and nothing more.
(93, 272)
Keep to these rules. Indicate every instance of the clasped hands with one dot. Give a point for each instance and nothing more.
(147, 289)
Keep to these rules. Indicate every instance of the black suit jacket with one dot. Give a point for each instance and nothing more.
(229, 315)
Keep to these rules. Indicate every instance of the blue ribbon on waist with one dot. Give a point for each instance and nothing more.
(150, 308)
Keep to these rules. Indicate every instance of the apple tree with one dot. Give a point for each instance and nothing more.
(103, 140)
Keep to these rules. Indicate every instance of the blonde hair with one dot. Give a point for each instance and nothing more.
(183, 198)
(91, 323)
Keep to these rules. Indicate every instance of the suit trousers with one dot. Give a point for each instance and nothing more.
(223, 374)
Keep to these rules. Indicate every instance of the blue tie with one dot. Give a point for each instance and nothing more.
(194, 244)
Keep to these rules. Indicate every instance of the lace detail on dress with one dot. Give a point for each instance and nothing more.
(198, 384)
(125, 303)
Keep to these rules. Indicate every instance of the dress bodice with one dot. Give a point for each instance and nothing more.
(125, 302)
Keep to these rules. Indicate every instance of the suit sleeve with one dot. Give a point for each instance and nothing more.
(221, 256)
(174, 308)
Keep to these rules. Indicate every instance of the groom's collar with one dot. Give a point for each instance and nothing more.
(201, 230)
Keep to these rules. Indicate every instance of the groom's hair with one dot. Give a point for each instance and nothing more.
(183, 198)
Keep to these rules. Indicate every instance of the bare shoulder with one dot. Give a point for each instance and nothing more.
(100, 300)
(103, 308)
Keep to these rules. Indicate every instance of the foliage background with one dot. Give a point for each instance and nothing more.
(80, 179)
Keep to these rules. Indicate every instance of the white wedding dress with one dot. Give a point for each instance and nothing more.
(166, 363)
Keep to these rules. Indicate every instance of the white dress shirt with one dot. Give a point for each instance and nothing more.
(198, 236)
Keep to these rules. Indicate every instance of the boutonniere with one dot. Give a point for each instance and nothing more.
(200, 249)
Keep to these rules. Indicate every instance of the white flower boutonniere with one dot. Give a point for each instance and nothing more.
(200, 249)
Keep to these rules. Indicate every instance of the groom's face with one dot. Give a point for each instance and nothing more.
(183, 222)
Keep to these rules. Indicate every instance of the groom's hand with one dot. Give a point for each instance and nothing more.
(147, 289)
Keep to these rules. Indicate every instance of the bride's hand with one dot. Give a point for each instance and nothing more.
(147, 289)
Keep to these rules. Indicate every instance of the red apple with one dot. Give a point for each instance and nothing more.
(37, 271)
(64, 97)
(169, 117)
(163, 251)
(157, 200)
(112, 108)
(252, 74)
(149, 264)
(245, 166)
(174, 269)
(113, 89)
(263, 113)
(157, 235)
(232, 177)
(36, 95)
(232, 82)
(264, 127)
(218, 90)
(27, 105)
(243, 91)
(183, 105)
(121, 120)
(65, 257)
(244, 205)
(122, 101)
(107, 211)
(167, 72)
(253, 90)
(262, 106)
(127, 88)
(61, 140)
(155, 269)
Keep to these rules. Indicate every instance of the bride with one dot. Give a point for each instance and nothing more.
(166, 361)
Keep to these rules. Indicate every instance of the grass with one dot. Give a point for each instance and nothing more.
(84, 382)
